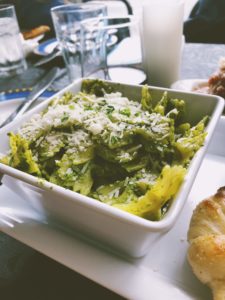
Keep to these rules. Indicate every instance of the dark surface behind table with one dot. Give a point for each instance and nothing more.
(28, 275)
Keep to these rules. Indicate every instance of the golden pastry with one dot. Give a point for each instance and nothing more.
(206, 236)
(30, 34)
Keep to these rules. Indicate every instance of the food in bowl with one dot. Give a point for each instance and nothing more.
(215, 85)
(206, 236)
(128, 154)
(216, 81)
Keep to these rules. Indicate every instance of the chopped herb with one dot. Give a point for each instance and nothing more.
(114, 139)
(109, 109)
(88, 107)
(126, 112)
(65, 117)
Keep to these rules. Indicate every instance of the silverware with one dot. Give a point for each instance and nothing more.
(38, 89)
(56, 51)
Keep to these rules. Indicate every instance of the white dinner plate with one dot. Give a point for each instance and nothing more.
(190, 85)
(127, 75)
(9, 100)
(162, 274)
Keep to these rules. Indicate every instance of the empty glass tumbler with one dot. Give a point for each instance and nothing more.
(66, 20)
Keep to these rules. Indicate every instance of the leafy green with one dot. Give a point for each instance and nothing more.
(146, 99)
(167, 185)
(161, 106)
(192, 140)
(21, 156)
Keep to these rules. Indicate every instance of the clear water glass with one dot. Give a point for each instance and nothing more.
(111, 49)
(12, 60)
(66, 20)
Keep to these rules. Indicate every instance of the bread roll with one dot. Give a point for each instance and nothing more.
(30, 34)
(206, 235)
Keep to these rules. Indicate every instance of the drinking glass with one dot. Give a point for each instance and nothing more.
(162, 40)
(111, 49)
(66, 20)
(12, 61)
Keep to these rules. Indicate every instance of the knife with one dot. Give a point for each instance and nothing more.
(38, 89)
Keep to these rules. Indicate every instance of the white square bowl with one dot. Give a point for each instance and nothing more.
(117, 229)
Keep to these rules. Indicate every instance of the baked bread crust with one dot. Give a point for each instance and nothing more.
(30, 34)
(206, 235)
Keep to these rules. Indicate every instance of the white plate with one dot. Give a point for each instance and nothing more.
(11, 99)
(162, 274)
(188, 85)
(127, 52)
(127, 75)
